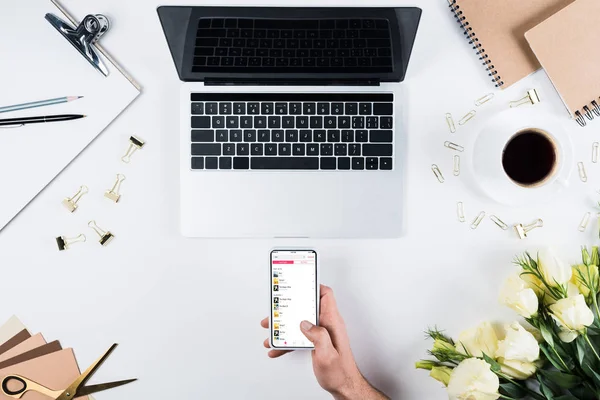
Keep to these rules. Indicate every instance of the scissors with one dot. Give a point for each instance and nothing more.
(77, 389)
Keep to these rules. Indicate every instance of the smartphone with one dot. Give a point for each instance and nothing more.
(294, 297)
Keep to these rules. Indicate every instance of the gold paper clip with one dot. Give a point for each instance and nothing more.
(531, 97)
(64, 243)
(467, 117)
(460, 211)
(481, 101)
(438, 173)
(522, 231)
(454, 146)
(113, 194)
(135, 145)
(582, 173)
(71, 202)
(584, 222)
(105, 236)
(499, 222)
(456, 165)
(595, 152)
(478, 220)
(450, 122)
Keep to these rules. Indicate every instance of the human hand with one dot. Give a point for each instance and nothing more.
(332, 358)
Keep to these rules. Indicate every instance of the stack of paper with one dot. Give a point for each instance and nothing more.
(31, 356)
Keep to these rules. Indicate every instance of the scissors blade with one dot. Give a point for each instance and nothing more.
(73, 390)
(87, 390)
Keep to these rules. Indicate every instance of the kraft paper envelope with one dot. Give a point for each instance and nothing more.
(56, 371)
(10, 329)
(32, 343)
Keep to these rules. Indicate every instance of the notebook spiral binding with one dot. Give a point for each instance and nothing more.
(588, 113)
(474, 41)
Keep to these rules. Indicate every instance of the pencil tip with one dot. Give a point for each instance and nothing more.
(80, 97)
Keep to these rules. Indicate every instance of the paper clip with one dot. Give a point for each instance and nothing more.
(499, 222)
(113, 194)
(584, 222)
(522, 231)
(582, 173)
(481, 101)
(531, 97)
(135, 145)
(478, 220)
(460, 211)
(71, 202)
(438, 173)
(64, 243)
(595, 151)
(456, 165)
(450, 122)
(467, 117)
(105, 236)
(454, 146)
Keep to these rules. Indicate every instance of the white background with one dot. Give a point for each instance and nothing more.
(186, 312)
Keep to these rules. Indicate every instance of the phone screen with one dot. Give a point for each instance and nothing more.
(293, 296)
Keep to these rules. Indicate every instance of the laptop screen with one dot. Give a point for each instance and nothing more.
(293, 45)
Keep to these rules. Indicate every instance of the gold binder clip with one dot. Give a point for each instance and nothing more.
(65, 243)
(450, 122)
(105, 236)
(113, 194)
(481, 101)
(134, 145)
(522, 231)
(71, 202)
(531, 97)
(467, 117)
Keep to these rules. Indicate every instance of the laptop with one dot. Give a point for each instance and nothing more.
(292, 119)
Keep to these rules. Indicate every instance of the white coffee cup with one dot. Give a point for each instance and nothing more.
(487, 151)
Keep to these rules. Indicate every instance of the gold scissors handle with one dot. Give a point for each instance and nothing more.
(26, 385)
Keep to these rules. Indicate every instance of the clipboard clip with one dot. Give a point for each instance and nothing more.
(84, 36)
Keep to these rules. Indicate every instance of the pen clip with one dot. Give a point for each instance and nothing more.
(12, 127)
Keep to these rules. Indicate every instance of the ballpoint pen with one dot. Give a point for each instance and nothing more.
(41, 103)
(39, 120)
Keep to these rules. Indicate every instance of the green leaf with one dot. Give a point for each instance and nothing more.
(583, 393)
(551, 357)
(494, 366)
(546, 391)
(589, 370)
(566, 397)
(511, 390)
(565, 381)
(581, 349)
(547, 334)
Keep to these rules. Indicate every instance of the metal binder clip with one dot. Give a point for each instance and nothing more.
(135, 145)
(71, 202)
(105, 236)
(84, 36)
(64, 243)
(113, 194)
(531, 97)
(522, 231)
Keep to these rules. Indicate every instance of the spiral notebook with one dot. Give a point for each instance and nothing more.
(567, 46)
(496, 29)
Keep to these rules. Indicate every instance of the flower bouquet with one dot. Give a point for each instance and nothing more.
(554, 356)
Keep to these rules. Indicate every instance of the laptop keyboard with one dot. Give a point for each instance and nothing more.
(287, 131)
(293, 45)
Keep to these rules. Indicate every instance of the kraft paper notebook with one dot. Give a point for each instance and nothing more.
(496, 29)
(567, 46)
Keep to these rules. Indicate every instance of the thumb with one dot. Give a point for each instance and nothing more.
(317, 335)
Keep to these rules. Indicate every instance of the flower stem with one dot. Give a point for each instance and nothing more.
(587, 339)
(560, 358)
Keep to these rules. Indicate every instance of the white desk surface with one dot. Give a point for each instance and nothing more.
(186, 312)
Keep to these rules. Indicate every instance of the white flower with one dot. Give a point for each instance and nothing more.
(518, 352)
(478, 340)
(517, 295)
(572, 316)
(473, 380)
(554, 271)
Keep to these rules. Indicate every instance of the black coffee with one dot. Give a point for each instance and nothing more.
(529, 157)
